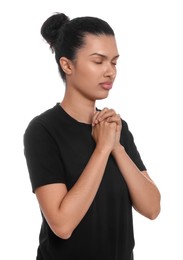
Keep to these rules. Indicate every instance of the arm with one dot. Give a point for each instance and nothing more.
(64, 209)
(144, 193)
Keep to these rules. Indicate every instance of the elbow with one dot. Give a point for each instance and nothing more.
(64, 235)
(150, 212)
(62, 232)
(155, 211)
(155, 208)
(153, 214)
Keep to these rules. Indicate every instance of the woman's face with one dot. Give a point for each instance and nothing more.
(94, 69)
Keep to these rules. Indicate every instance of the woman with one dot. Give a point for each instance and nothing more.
(84, 167)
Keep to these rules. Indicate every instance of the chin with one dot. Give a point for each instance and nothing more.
(103, 96)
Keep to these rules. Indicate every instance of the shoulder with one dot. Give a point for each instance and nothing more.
(125, 128)
(126, 135)
(124, 123)
(44, 119)
(42, 125)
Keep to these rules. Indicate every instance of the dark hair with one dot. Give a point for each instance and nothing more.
(66, 36)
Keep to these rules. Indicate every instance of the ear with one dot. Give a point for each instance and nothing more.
(66, 65)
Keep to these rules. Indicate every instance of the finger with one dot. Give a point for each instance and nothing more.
(97, 115)
(115, 118)
(94, 119)
(105, 114)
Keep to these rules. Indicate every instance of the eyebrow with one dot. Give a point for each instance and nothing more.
(103, 56)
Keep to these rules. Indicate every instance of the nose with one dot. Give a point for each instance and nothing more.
(110, 70)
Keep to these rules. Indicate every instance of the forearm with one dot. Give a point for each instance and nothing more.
(144, 193)
(78, 200)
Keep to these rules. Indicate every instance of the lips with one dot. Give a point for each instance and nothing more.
(106, 85)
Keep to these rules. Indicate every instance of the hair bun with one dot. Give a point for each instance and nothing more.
(51, 27)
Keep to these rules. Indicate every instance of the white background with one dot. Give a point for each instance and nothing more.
(147, 93)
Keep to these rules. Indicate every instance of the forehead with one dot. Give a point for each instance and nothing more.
(104, 44)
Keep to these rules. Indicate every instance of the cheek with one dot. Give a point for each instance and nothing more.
(96, 70)
(89, 71)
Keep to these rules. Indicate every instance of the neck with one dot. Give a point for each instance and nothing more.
(80, 111)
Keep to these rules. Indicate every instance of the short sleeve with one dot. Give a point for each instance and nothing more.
(127, 140)
(42, 156)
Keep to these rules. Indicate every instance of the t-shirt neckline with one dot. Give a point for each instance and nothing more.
(70, 118)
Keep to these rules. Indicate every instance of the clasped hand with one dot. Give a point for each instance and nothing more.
(106, 128)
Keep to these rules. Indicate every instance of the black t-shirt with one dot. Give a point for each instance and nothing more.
(57, 149)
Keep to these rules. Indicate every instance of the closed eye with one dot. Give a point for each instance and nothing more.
(114, 62)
